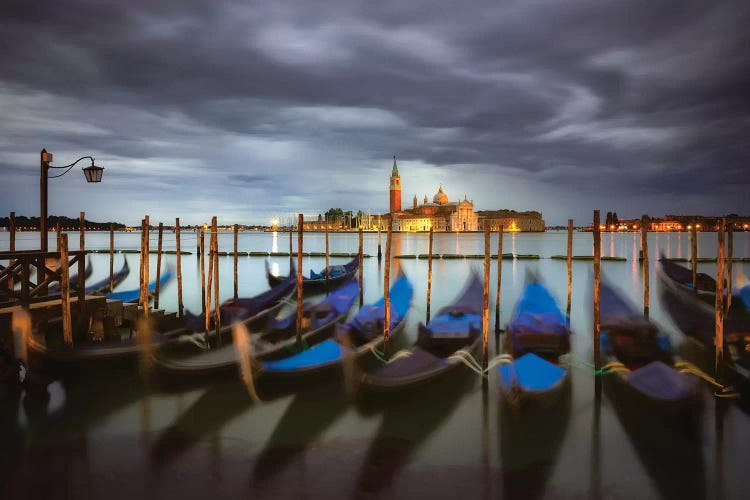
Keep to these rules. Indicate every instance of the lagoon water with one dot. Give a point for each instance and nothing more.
(109, 434)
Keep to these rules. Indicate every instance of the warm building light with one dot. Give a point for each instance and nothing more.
(698, 226)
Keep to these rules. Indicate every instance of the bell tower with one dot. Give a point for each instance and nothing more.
(395, 189)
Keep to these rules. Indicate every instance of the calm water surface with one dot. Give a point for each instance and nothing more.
(110, 434)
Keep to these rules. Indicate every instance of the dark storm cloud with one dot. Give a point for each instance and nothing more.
(274, 107)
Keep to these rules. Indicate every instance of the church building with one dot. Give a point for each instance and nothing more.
(441, 214)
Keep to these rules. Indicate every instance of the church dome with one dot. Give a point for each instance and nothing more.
(440, 198)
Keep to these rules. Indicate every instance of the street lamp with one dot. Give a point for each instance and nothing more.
(92, 174)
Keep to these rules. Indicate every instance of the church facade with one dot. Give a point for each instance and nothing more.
(440, 214)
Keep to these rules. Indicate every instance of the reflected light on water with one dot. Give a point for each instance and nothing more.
(275, 242)
(143, 337)
(21, 325)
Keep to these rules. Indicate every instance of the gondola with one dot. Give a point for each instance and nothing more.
(697, 320)
(317, 281)
(134, 295)
(277, 340)
(101, 287)
(705, 288)
(354, 341)
(456, 327)
(642, 358)
(531, 373)
(73, 280)
(250, 311)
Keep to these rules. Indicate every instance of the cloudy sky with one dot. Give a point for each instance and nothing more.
(250, 110)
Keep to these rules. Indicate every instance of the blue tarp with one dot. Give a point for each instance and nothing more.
(459, 325)
(326, 351)
(537, 311)
(530, 372)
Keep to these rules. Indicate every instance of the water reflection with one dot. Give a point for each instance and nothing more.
(407, 422)
(303, 421)
(218, 405)
(670, 447)
(529, 444)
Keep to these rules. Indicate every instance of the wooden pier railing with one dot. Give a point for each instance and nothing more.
(19, 270)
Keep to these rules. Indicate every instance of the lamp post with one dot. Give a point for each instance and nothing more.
(92, 174)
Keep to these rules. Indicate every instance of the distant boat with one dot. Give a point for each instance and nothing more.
(317, 281)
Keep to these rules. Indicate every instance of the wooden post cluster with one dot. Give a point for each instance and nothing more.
(300, 236)
(429, 274)
(486, 303)
(386, 290)
(65, 290)
(730, 256)
(597, 288)
(158, 265)
(500, 233)
(646, 275)
(111, 257)
(719, 313)
(179, 266)
(694, 255)
(361, 271)
(570, 265)
(236, 237)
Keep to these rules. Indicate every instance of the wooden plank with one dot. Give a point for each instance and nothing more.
(300, 236)
(179, 267)
(158, 265)
(597, 289)
(65, 291)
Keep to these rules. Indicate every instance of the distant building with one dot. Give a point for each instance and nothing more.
(511, 220)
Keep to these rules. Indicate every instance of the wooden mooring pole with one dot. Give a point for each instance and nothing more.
(65, 290)
(327, 255)
(486, 303)
(201, 255)
(236, 237)
(380, 253)
(719, 312)
(144, 266)
(361, 272)
(217, 309)
(12, 243)
(387, 290)
(158, 265)
(179, 266)
(597, 289)
(209, 278)
(694, 255)
(646, 271)
(82, 244)
(570, 266)
(730, 256)
(300, 236)
(500, 233)
(429, 274)
(111, 257)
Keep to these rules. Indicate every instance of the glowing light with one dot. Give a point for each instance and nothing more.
(274, 222)
(205, 226)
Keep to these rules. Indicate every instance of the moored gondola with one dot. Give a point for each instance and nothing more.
(641, 360)
(705, 288)
(354, 341)
(697, 320)
(337, 275)
(278, 339)
(531, 372)
(455, 330)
